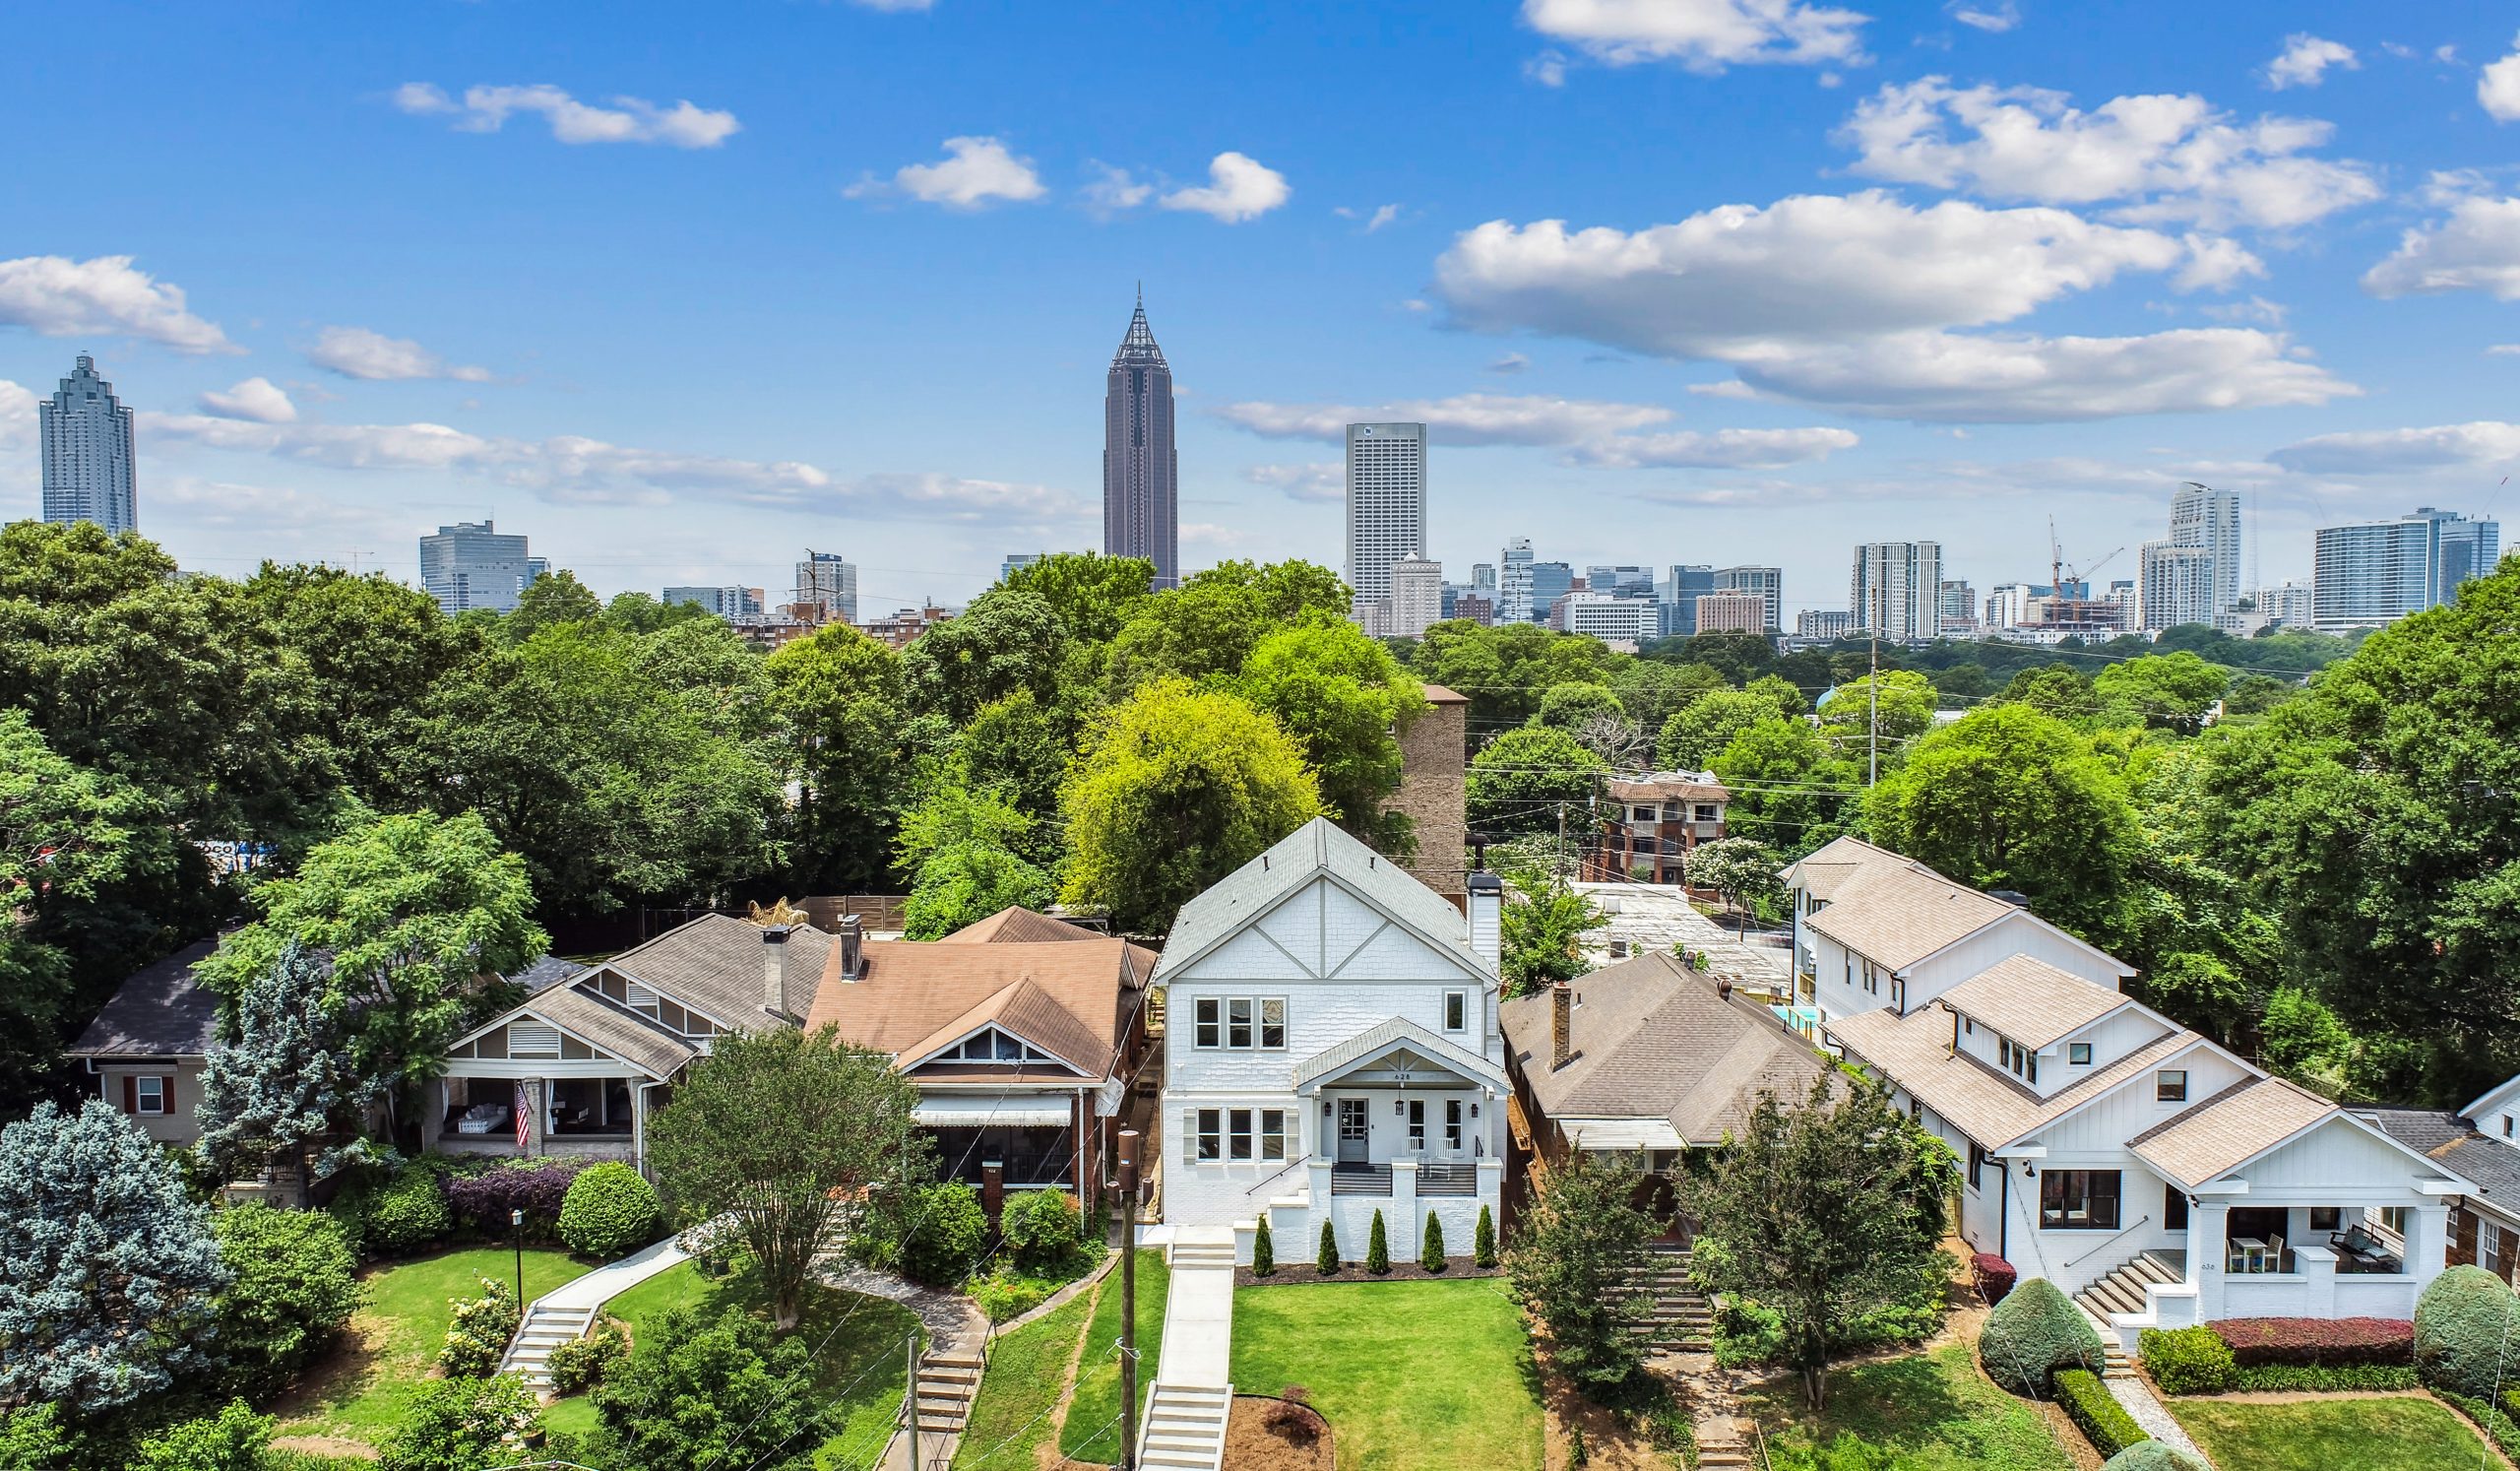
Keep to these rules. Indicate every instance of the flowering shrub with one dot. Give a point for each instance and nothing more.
(2319, 1340)
(1995, 1276)
(581, 1364)
(477, 1337)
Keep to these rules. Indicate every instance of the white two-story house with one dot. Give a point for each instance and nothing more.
(1333, 1050)
(2158, 1177)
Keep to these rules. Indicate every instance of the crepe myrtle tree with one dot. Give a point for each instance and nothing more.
(109, 1276)
(1742, 870)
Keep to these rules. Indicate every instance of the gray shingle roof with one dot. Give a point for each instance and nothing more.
(1314, 848)
(161, 1011)
(2449, 1140)
(624, 1034)
(1654, 1040)
(714, 963)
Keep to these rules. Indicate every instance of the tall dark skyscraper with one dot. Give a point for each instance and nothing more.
(88, 452)
(1141, 488)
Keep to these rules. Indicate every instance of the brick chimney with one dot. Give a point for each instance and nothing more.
(1562, 1025)
(853, 948)
(773, 968)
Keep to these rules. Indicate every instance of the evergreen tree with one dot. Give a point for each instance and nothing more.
(1377, 1249)
(285, 1080)
(1482, 1249)
(1263, 1253)
(1326, 1260)
(1430, 1254)
(1584, 1243)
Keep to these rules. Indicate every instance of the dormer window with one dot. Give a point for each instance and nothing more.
(995, 1046)
(2021, 1062)
(2078, 1053)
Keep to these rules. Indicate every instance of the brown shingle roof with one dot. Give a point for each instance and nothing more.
(1822, 870)
(1018, 923)
(2234, 1127)
(1437, 694)
(1068, 995)
(1658, 785)
(1898, 913)
(2031, 1001)
(1985, 1105)
(625, 1035)
(1654, 1040)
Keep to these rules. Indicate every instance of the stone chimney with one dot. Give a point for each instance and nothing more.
(1486, 903)
(773, 968)
(1562, 1025)
(853, 948)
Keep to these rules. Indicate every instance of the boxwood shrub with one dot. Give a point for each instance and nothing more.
(609, 1211)
(2103, 1421)
(2033, 1332)
(2467, 1333)
(399, 1211)
(2323, 1378)
(2188, 1361)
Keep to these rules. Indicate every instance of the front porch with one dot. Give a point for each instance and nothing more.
(592, 1117)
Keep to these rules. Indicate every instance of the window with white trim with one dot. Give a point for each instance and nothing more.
(1456, 1012)
(1240, 1023)
(1452, 1123)
(1210, 1133)
(150, 1095)
(1239, 1135)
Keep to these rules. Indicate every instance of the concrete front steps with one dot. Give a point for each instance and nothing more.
(544, 1329)
(1185, 1426)
(2122, 1290)
(1199, 1253)
(1677, 1321)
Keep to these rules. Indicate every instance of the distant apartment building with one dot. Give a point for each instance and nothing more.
(1416, 596)
(1651, 824)
(1483, 577)
(2289, 604)
(2008, 605)
(1614, 621)
(1386, 502)
(1894, 589)
(2375, 572)
(725, 603)
(1475, 607)
(1679, 592)
(472, 564)
(902, 629)
(1549, 582)
(826, 588)
(1015, 560)
(2209, 520)
(1767, 584)
(88, 451)
(1732, 612)
(1823, 623)
(1514, 583)
(2174, 585)
(1620, 582)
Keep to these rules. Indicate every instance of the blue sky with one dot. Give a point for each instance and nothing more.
(680, 292)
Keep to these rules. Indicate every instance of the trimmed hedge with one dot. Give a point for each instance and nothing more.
(2188, 1361)
(2498, 1427)
(2324, 1378)
(1995, 1276)
(609, 1210)
(2319, 1340)
(2096, 1412)
(2153, 1455)
(484, 1195)
(2467, 1333)
(2033, 1332)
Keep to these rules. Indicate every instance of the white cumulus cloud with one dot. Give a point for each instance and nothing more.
(101, 296)
(2305, 60)
(1325, 482)
(2386, 452)
(2157, 156)
(1992, 19)
(2498, 86)
(485, 109)
(1722, 449)
(974, 172)
(1115, 190)
(361, 353)
(1464, 419)
(2475, 247)
(17, 416)
(1238, 188)
(1702, 35)
(255, 398)
(2215, 263)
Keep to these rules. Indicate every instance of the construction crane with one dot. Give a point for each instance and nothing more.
(2059, 572)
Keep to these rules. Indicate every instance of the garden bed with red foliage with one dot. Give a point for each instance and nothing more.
(2319, 1340)
(1995, 1276)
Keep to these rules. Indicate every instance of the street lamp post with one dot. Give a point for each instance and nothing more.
(516, 1238)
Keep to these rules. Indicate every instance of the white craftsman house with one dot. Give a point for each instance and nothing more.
(2160, 1179)
(1331, 1051)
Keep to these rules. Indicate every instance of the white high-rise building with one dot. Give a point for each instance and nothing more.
(2365, 575)
(1514, 582)
(1386, 502)
(1615, 620)
(88, 452)
(1416, 596)
(1483, 577)
(828, 582)
(472, 564)
(2008, 605)
(2174, 585)
(2209, 519)
(1896, 589)
(2289, 604)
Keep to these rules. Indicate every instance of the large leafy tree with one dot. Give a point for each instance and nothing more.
(1885, 712)
(698, 1393)
(419, 916)
(1791, 789)
(1533, 781)
(549, 600)
(2167, 691)
(1174, 787)
(108, 1273)
(1093, 594)
(1020, 745)
(1651, 691)
(718, 677)
(2010, 798)
(294, 1286)
(1006, 641)
(1341, 695)
(1576, 1261)
(842, 702)
(372, 650)
(843, 1127)
(1825, 1213)
(285, 1078)
(2057, 689)
(1743, 870)
(1541, 931)
(2380, 813)
(1504, 672)
(1209, 625)
(1692, 739)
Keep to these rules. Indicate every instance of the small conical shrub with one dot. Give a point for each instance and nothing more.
(1430, 1255)
(1482, 1246)
(1263, 1253)
(1378, 1250)
(1326, 1260)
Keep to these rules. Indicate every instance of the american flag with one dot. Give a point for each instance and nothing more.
(523, 1115)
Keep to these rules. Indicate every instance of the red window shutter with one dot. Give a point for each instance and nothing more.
(130, 1094)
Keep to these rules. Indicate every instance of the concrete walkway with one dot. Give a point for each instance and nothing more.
(2154, 1416)
(1198, 1314)
(565, 1313)
(612, 1279)
(949, 1367)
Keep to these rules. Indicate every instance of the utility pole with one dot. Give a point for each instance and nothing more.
(1872, 689)
(1128, 1300)
(910, 1401)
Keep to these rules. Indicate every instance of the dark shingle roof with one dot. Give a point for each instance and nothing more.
(2450, 1141)
(715, 965)
(160, 1013)
(546, 973)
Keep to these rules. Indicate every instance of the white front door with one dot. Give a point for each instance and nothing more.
(1353, 1131)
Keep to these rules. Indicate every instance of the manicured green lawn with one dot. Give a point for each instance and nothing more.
(1412, 1375)
(1935, 1408)
(1091, 1432)
(362, 1392)
(2368, 1434)
(867, 1357)
(1027, 1368)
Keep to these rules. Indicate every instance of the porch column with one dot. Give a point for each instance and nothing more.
(540, 1091)
(2208, 1232)
(2427, 1241)
(1404, 1204)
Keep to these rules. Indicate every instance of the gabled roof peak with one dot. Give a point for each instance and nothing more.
(1137, 348)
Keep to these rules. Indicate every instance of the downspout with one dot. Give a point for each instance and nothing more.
(2003, 1210)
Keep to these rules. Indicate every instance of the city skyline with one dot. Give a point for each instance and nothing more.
(2288, 283)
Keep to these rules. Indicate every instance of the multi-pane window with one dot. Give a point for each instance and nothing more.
(993, 1045)
(1239, 1134)
(2169, 1085)
(150, 1095)
(1456, 1012)
(1452, 1123)
(1976, 1163)
(2078, 1199)
(2020, 1060)
(1239, 1022)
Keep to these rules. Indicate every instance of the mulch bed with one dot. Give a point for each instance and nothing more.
(1267, 1434)
(1297, 1273)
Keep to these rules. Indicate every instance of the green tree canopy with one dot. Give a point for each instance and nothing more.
(550, 600)
(1848, 722)
(1577, 1262)
(1651, 691)
(1090, 592)
(2167, 692)
(1008, 640)
(1505, 670)
(1694, 737)
(2010, 798)
(285, 1078)
(967, 883)
(698, 1392)
(1791, 789)
(1743, 870)
(1567, 707)
(2057, 689)
(1341, 696)
(1542, 929)
(1174, 787)
(1519, 782)
(842, 702)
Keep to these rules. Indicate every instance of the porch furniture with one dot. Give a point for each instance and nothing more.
(481, 1118)
(2364, 1251)
(2248, 1255)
